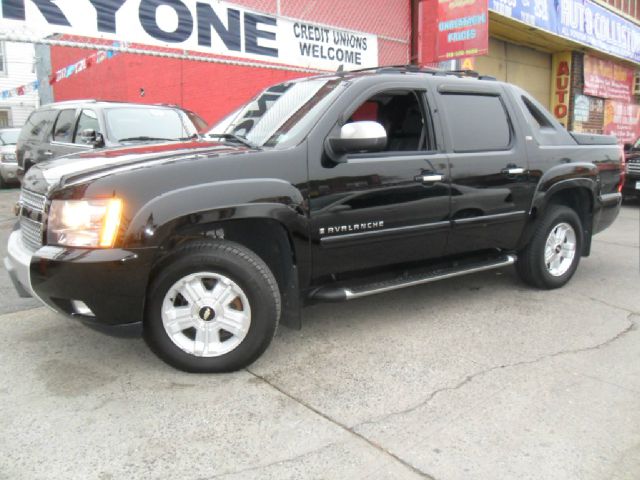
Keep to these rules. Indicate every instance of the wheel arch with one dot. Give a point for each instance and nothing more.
(268, 237)
(579, 194)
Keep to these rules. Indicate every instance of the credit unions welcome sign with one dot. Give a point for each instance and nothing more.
(203, 26)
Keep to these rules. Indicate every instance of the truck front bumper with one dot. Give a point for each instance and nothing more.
(17, 264)
(104, 288)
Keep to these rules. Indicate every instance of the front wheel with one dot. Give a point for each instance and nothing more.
(214, 307)
(553, 254)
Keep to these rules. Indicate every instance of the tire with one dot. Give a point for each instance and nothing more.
(3, 183)
(561, 227)
(213, 307)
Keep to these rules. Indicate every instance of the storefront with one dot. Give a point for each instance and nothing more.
(578, 58)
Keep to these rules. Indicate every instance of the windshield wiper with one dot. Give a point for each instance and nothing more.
(145, 139)
(237, 138)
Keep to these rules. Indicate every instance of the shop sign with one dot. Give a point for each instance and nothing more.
(210, 26)
(581, 109)
(452, 29)
(622, 120)
(582, 21)
(603, 78)
(560, 85)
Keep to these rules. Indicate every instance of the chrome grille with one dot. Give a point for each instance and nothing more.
(31, 229)
(633, 167)
(31, 233)
(32, 200)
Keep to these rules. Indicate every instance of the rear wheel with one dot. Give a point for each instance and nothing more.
(214, 307)
(553, 254)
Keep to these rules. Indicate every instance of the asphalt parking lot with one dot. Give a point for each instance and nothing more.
(472, 378)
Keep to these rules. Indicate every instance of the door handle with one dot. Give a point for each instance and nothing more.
(513, 171)
(431, 178)
(48, 153)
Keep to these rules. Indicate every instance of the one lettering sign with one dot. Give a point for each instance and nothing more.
(211, 26)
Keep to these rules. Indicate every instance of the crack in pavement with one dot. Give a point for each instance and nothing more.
(352, 432)
(466, 380)
(271, 464)
(469, 378)
(604, 302)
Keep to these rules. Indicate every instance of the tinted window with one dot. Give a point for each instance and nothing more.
(477, 122)
(63, 130)
(38, 125)
(88, 120)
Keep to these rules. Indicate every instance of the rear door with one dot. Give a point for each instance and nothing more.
(62, 135)
(381, 208)
(490, 188)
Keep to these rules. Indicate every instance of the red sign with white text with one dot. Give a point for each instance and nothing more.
(622, 120)
(452, 29)
(603, 78)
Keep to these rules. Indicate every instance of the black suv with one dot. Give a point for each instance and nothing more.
(324, 189)
(63, 128)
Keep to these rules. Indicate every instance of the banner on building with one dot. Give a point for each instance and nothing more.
(582, 21)
(209, 26)
(622, 120)
(560, 85)
(63, 73)
(606, 79)
(453, 29)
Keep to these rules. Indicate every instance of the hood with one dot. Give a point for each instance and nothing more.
(97, 163)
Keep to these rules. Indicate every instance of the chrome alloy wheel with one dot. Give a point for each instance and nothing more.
(206, 314)
(560, 249)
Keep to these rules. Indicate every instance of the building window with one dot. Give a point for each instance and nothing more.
(3, 60)
(4, 119)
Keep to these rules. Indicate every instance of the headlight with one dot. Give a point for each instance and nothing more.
(84, 223)
(9, 157)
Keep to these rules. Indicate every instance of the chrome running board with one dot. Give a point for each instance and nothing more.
(350, 291)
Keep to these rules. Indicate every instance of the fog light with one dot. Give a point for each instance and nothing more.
(81, 308)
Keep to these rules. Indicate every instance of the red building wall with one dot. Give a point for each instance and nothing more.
(213, 90)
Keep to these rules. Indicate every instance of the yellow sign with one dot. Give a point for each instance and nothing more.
(561, 86)
(468, 63)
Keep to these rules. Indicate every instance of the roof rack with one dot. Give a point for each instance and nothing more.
(80, 100)
(419, 69)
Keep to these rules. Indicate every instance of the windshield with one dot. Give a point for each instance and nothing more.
(281, 115)
(142, 124)
(9, 137)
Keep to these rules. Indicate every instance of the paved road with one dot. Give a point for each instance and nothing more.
(479, 377)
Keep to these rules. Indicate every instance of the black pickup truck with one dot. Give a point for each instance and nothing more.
(324, 189)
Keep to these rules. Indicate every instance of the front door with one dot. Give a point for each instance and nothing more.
(490, 191)
(382, 208)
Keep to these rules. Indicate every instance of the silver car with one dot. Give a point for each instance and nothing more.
(8, 159)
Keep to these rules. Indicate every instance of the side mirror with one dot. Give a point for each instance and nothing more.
(366, 136)
(628, 147)
(90, 137)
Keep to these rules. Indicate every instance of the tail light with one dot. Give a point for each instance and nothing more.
(622, 169)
